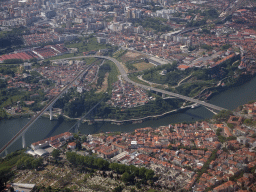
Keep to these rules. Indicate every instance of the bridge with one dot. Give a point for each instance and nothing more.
(22, 132)
(126, 78)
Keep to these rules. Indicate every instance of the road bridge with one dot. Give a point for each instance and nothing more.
(22, 132)
(126, 78)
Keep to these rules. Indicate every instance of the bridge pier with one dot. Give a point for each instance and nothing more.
(76, 129)
(211, 111)
(23, 141)
(6, 152)
(163, 95)
(50, 113)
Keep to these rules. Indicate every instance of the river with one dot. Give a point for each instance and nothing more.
(44, 128)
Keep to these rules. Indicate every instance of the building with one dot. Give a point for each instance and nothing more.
(183, 67)
(72, 145)
(55, 141)
(48, 14)
(101, 40)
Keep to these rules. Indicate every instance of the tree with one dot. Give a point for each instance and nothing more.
(36, 163)
(55, 153)
(5, 175)
(83, 138)
(138, 185)
(134, 170)
(149, 174)
(71, 157)
(13, 61)
(142, 172)
(231, 126)
(28, 163)
(170, 147)
(118, 189)
(248, 121)
(121, 168)
(126, 177)
(101, 163)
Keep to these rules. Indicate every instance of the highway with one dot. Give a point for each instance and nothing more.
(126, 78)
(49, 105)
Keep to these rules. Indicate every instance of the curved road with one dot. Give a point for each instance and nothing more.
(126, 78)
(124, 75)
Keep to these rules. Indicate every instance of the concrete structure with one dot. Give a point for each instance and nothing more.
(125, 77)
(23, 187)
(40, 152)
(50, 113)
(157, 61)
(23, 141)
(33, 119)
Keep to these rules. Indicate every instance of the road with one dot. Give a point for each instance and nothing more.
(33, 119)
(126, 78)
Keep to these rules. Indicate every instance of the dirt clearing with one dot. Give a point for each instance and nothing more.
(143, 66)
(104, 86)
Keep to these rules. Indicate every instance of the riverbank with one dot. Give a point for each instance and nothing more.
(122, 122)
(140, 120)
(17, 116)
(44, 128)
(214, 91)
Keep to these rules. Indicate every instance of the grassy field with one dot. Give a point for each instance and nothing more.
(132, 61)
(143, 66)
(86, 44)
(83, 44)
(119, 53)
(65, 56)
(113, 75)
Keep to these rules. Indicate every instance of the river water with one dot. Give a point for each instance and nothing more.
(44, 128)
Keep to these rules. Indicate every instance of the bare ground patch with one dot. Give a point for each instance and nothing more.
(130, 56)
(143, 66)
(104, 85)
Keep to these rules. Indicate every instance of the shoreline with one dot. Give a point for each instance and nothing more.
(127, 121)
(138, 120)
(217, 91)
(112, 121)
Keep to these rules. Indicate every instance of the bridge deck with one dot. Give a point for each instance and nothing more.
(124, 75)
(27, 126)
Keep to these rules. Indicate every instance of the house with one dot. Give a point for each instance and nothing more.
(71, 145)
(226, 187)
(242, 140)
(121, 148)
(183, 67)
(235, 120)
(87, 146)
